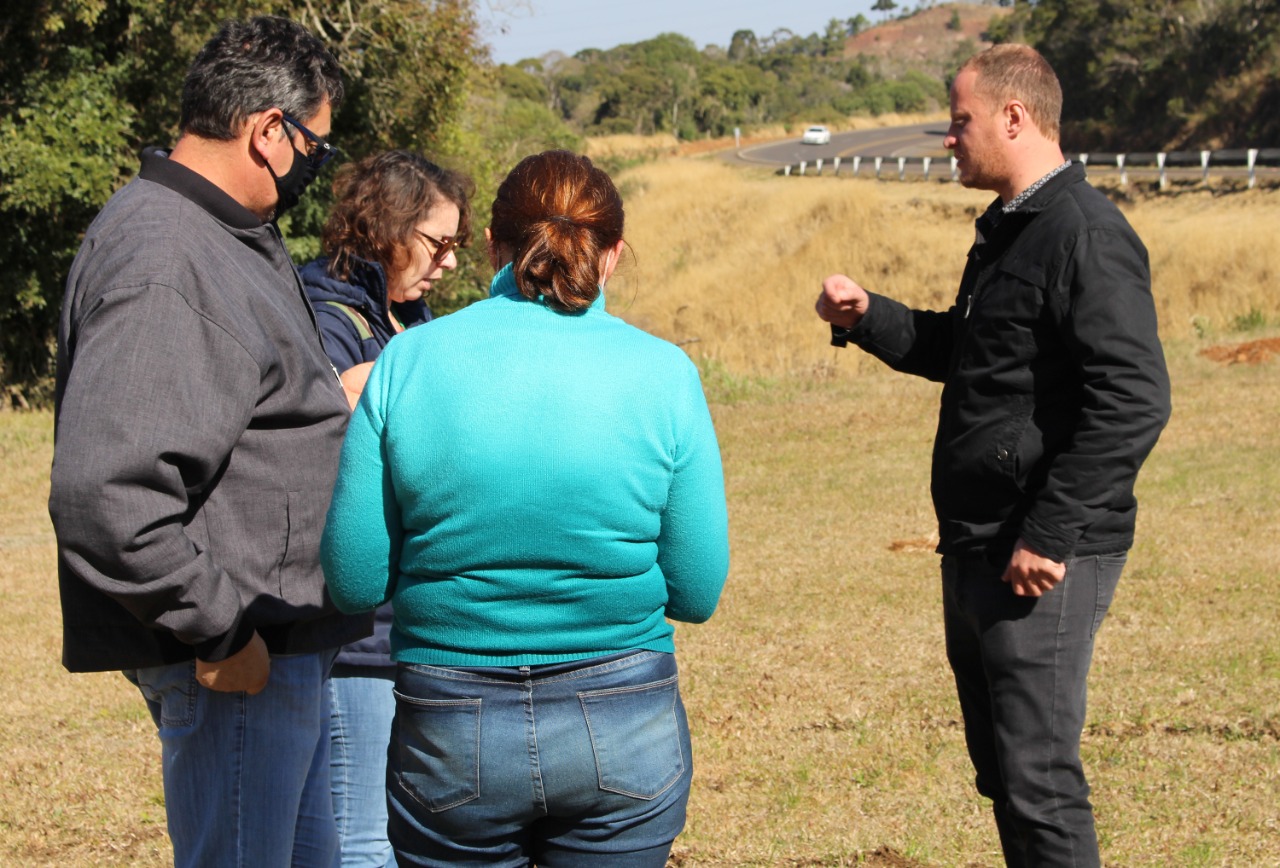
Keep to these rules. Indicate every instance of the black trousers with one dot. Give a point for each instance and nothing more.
(1020, 665)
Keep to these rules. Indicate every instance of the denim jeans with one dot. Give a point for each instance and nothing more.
(1020, 666)
(579, 764)
(360, 728)
(246, 778)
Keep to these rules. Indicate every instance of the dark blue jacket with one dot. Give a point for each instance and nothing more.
(348, 341)
(364, 292)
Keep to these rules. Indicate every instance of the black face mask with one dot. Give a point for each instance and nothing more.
(294, 183)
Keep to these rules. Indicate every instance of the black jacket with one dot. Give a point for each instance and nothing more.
(1055, 386)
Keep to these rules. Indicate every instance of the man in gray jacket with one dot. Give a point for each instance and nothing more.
(198, 430)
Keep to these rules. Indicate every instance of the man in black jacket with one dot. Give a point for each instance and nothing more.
(1054, 392)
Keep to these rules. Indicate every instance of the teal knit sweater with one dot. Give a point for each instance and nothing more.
(529, 487)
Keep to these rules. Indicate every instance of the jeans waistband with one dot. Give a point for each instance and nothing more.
(543, 672)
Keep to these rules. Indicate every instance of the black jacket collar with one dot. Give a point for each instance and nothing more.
(994, 224)
(158, 168)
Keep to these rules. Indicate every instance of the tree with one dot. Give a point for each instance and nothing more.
(1158, 74)
(834, 38)
(743, 45)
(85, 85)
(885, 6)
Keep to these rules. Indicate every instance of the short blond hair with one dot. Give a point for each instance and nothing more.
(1011, 71)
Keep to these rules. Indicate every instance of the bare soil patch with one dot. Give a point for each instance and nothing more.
(926, 38)
(1247, 353)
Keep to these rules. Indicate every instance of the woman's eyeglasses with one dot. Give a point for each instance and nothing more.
(443, 246)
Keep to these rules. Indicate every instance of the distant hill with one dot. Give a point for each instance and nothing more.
(925, 41)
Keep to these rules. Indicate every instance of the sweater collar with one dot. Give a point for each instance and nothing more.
(158, 168)
(503, 285)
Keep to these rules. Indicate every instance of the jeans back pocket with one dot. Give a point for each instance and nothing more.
(436, 758)
(635, 735)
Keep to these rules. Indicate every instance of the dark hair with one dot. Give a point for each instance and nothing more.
(380, 202)
(1012, 71)
(251, 66)
(557, 214)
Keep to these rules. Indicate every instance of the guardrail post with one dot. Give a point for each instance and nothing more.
(787, 170)
(1164, 181)
(857, 161)
(1204, 165)
(803, 163)
(1124, 175)
(927, 161)
(835, 166)
(817, 166)
(879, 161)
(955, 172)
(902, 168)
(1253, 160)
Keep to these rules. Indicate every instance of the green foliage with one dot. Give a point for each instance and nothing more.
(666, 85)
(1159, 74)
(1248, 322)
(86, 84)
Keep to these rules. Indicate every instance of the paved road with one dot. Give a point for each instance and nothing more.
(925, 140)
(916, 140)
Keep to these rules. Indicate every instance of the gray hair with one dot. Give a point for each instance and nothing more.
(251, 66)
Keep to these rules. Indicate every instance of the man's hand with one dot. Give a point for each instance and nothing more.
(1031, 573)
(246, 670)
(842, 302)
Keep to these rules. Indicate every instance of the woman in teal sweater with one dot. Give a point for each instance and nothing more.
(536, 486)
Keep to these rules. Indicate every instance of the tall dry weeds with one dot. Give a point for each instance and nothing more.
(728, 262)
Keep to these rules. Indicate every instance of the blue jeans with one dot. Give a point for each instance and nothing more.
(246, 778)
(579, 764)
(1020, 665)
(363, 707)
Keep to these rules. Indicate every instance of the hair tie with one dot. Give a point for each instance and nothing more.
(560, 218)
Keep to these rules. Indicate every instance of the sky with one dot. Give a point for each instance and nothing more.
(517, 29)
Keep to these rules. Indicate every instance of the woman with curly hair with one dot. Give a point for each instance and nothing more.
(391, 235)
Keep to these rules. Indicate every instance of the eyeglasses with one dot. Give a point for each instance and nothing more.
(319, 151)
(444, 246)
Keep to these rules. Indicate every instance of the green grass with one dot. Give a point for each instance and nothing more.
(825, 727)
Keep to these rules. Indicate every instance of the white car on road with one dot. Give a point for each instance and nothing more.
(816, 136)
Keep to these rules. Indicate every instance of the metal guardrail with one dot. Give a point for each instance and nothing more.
(1239, 160)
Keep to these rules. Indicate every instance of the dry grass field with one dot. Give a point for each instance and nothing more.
(825, 728)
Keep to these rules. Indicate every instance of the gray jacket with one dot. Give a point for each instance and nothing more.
(198, 430)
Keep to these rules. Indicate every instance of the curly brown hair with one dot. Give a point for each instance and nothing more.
(557, 213)
(380, 201)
